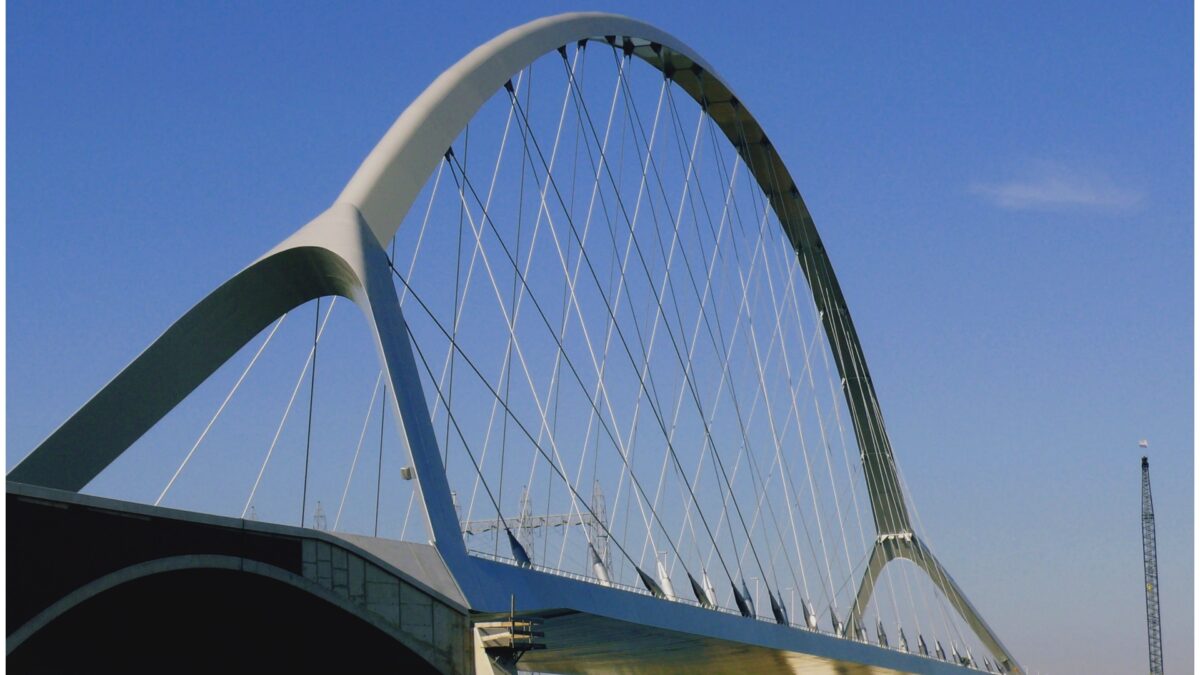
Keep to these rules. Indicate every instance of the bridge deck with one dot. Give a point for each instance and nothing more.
(66, 544)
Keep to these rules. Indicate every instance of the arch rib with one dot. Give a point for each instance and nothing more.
(177, 362)
(385, 185)
(334, 254)
(889, 548)
(340, 253)
(389, 179)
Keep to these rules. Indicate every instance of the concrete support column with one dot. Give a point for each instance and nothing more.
(487, 664)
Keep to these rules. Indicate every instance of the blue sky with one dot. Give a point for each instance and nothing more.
(1005, 190)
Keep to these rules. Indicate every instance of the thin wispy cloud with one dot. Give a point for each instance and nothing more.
(1048, 186)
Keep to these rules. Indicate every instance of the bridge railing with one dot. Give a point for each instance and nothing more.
(592, 580)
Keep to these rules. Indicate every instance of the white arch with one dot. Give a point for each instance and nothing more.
(340, 252)
(389, 179)
(335, 254)
(385, 185)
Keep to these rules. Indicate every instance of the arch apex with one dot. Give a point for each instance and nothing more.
(389, 179)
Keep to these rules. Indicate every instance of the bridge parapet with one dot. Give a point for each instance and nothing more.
(440, 627)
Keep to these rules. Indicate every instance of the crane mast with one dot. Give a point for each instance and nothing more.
(1150, 558)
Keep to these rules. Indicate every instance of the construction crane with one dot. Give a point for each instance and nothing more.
(1150, 557)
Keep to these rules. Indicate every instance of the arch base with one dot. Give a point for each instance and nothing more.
(890, 547)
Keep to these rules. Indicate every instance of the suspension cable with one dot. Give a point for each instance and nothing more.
(829, 467)
(496, 394)
(508, 322)
(220, 408)
(752, 343)
(286, 411)
(619, 332)
(595, 278)
(691, 384)
(312, 390)
(357, 448)
(808, 466)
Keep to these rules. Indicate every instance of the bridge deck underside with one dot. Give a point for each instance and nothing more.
(581, 643)
(590, 628)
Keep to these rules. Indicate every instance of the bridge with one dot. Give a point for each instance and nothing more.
(632, 424)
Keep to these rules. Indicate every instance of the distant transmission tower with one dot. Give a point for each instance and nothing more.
(319, 517)
(1150, 556)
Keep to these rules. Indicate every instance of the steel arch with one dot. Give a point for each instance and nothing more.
(385, 185)
(340, 252)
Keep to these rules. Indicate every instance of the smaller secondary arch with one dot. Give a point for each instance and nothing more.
(198, 626)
